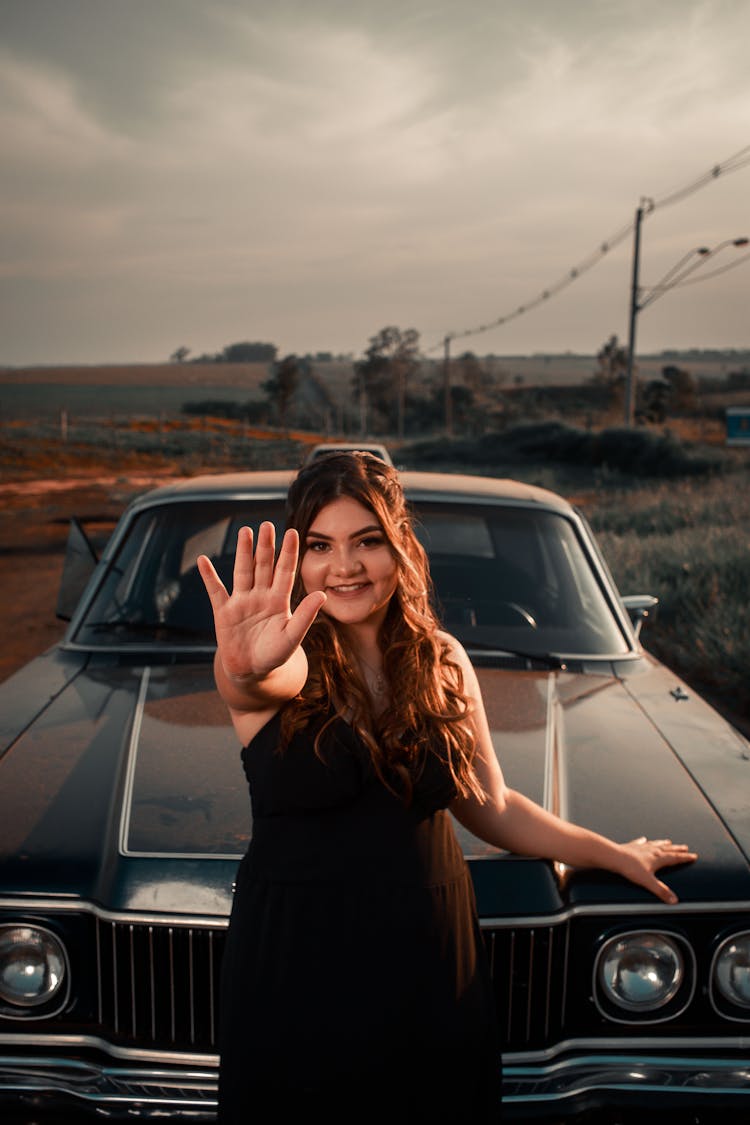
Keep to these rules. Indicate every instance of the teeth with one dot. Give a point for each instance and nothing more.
(348, 589)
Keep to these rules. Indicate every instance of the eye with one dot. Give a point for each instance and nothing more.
(317, 546)
(372, 541)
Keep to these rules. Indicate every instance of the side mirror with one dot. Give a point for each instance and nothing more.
(78, 566)
(640, 607)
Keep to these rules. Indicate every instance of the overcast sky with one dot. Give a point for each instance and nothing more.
(306, 172)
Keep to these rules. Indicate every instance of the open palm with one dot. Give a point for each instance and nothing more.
(256, 630)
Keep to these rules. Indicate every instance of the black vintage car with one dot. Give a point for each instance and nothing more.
(123, 812)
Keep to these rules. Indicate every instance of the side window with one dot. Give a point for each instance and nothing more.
(207, 540)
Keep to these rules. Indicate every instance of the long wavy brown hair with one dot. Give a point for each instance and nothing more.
(428, 711)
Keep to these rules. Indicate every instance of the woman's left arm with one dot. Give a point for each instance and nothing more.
(507, 819)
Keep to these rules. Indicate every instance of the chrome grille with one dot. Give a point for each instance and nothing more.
(529, 968)
(159, 985)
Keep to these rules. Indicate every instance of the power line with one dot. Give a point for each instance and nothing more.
(714, 273)
(552, 290)
(732, 164)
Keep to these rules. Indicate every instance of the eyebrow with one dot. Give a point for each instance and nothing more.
(355, 534)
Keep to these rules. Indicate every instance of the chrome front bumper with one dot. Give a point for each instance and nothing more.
(600, 1080)
(69, 1085)
(570, 1085)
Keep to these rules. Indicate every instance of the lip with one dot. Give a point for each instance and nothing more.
(350, 590)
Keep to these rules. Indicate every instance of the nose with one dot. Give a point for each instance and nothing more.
(345, 561)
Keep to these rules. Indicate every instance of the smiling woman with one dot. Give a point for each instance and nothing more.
(122, 830)
(362, 724)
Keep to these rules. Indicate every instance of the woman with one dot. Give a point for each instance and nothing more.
(354, 978)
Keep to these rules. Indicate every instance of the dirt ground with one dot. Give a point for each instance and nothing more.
(39, 493)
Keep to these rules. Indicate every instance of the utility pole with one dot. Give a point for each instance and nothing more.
(362, 404)
(447, 386)
(401, 392)
(634, 290)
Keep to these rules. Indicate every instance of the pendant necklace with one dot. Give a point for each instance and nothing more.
(376, 681)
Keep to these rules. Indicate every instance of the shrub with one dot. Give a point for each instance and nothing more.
(690, 546)
(635, 452)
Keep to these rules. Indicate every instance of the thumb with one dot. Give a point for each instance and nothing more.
(304, 615)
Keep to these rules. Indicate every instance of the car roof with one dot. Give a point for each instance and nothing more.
(374, 447)
(274, 483)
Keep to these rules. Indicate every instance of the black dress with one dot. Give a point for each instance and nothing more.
(354, 982)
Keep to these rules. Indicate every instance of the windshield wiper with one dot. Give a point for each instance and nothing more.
(546, 659)
(146, 627)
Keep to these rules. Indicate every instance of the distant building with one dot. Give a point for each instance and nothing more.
(738, 425)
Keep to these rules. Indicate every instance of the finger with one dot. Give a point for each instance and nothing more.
(678, 853)
(265, 552)
(215, 588)
(242, 577)
(665, 893)
(304, 615)
(286, 565)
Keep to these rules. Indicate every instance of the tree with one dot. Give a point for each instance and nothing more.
(611, 370)
(682, 387)
(462, 406)
(471, 373)
(654, 401)
(283, 385)
(179, 355)
(247, 352)
(611, 363)
(381, 378)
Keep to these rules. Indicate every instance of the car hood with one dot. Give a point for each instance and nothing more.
(127, 788)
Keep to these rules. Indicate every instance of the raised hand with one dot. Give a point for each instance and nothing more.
(256, 631)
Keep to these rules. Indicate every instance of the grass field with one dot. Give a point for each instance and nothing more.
(688, 542)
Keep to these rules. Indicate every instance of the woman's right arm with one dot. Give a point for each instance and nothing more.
(259, 661)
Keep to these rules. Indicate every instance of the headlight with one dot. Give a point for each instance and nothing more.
(640, 972)
(33, 966)
(732, 970)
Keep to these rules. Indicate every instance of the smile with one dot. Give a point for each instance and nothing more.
(349, 589)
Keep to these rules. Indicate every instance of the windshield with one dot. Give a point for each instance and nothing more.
(152, 590)
(507, 577)
(516, 578)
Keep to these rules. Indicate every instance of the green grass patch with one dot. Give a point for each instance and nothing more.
(689, 544)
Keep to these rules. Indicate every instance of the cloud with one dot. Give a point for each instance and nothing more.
(339, 165)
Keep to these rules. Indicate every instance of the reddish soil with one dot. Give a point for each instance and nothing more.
(40, 491)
